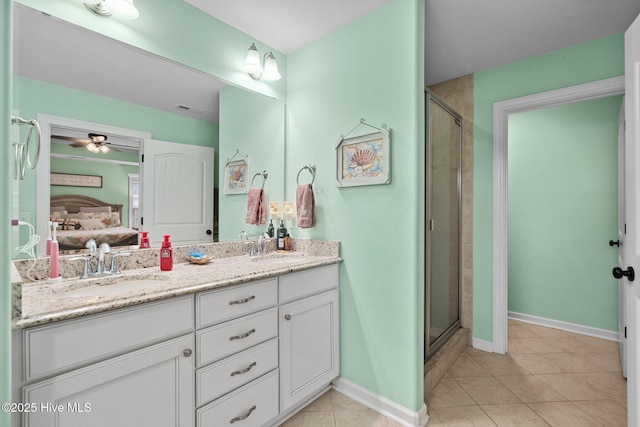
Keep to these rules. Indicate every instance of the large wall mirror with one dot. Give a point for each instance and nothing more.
(101, 101)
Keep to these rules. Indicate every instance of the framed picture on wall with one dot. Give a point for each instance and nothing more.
(75, 180)
(363, 160)
(236, 176)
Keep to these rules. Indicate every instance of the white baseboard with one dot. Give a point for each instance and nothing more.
(566, 326)
(482, 344)
(382, 405)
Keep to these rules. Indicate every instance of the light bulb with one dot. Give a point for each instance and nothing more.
(104, 149)
(271, 72)
(252, 63)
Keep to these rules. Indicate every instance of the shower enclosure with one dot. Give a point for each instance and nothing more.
(443, 223)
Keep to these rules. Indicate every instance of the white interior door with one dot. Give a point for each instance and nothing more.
(632, 184)
(177, 196)
(622, 287)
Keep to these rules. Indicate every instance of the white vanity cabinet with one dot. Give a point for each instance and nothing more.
(127, 367)
(309, 333)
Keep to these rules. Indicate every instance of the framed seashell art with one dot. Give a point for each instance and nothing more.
(364, 159)
(236, 173)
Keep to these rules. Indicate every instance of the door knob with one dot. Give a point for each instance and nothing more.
(619, 273)
(209, 232)
(617, 243)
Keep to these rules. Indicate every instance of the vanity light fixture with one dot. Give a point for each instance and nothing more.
(253, 67)
(105, 8)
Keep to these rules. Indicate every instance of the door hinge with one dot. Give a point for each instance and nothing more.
(142, 159)
(625, 332)
(458, 122)
(141, 220)
(430, 225)
(625, 228)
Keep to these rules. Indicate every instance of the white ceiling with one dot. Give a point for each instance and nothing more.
(461, 37)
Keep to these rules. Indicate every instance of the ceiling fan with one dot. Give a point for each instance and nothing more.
(96, 143)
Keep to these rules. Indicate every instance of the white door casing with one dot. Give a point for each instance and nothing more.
(632, 185)
(622, 321)
(178, 192)
(501, 112)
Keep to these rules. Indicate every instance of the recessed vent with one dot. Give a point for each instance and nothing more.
(187, 108)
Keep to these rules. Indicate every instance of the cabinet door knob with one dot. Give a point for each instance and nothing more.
(187, 352)
(287, 317)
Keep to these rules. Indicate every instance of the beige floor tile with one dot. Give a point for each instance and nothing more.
(362, 418)
(545, 345)
(499, 364)
(611, 413)
(572, 387)
(528, 388)
(321, 404)
(575, 345)
(514, 415)
(564, 414)
(341, 402)
(520, 331)
(460, 416)
(609, 362)
(449, 393)
(465, 366)
(573, 362)
(487, 390)
(598, 345)
(311, 419)
(519, 345)
(537, 363)
(474, 352)
(612, 384)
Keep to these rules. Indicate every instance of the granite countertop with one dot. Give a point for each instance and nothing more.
(44, 303)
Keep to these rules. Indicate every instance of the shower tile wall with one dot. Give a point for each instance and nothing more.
(458, 94)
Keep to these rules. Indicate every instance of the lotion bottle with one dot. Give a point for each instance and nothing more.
(282, 232)
(54, 262)
(144, 240)
(49, 239)
(166, 254)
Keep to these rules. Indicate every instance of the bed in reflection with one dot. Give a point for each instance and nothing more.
(81, 218)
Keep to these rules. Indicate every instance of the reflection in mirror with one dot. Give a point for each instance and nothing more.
(65, 71)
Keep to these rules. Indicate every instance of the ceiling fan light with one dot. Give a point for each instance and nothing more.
(104, 149)
(271, 72)
(123, 8)
(252, 63)
(93, 148)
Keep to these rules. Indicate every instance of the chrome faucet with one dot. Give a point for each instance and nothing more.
(102, 251)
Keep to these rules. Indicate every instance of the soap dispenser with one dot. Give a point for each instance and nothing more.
(271, 230)
(144, 240)
(282, 233)
(166, 254)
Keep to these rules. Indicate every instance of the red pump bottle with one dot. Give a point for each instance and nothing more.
(166, 254)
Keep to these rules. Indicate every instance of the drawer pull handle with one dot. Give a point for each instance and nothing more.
(243, 417)
(187, 352)
(242, 301)
(287, 317)
(239, 337)
(243, 371)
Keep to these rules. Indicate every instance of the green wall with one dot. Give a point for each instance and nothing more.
(587, 62)
(5, 200)
(372, 69)
(176, 30)
(563, 199)
(32, 97)
(253, 124)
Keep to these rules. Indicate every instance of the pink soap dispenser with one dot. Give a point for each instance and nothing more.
(166, 254)
(54, 262)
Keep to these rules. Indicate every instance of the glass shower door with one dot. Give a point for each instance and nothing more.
(442, 309)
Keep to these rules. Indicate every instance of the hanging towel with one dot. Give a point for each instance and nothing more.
(256, 212)
(306, 206)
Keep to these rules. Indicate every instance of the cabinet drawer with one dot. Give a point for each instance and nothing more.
(223, 340)
(251, 406)
(220, 305)
(64, 345)
(308, 282)
(219, 378)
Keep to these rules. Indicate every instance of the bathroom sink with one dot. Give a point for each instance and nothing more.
(123, 285)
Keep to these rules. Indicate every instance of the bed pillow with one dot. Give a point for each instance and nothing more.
(105, 209)
(56, 215)
(91, 224)
(109, 220)
(57, 208)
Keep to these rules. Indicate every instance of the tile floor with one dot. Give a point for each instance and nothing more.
(549, 378)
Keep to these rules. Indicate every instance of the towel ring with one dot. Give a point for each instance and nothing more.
(312, 170)
(263, 174)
